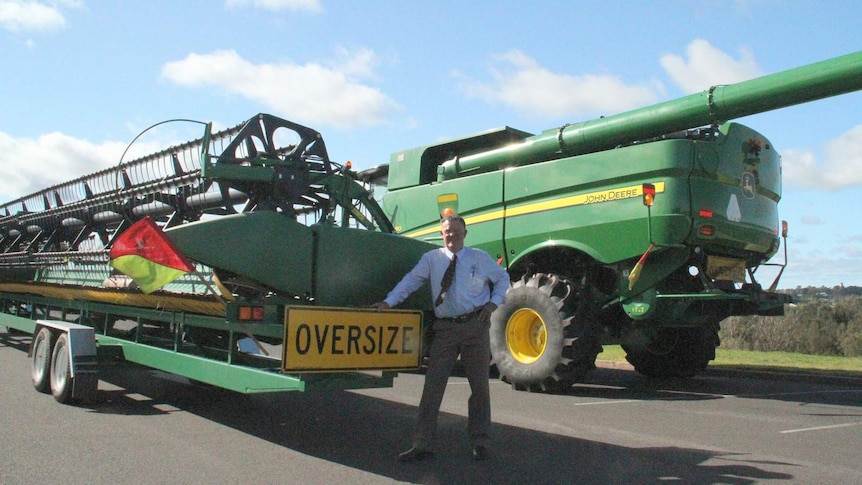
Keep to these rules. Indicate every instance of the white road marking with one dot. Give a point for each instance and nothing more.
(802, 393)
(819, 428)
(700, 394)
(607, 402)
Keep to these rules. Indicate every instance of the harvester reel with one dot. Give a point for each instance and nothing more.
(542, 338)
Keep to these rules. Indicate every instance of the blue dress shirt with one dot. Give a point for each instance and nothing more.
(478, 280)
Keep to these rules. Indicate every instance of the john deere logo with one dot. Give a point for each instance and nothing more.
(749, 185)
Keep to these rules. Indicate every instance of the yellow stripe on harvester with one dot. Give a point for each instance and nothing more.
(607, 195)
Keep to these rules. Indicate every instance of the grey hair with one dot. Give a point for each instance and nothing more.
(453, 217)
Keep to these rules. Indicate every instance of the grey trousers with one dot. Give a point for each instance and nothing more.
(470, 340)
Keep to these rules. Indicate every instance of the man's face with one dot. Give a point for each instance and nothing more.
(453, 235)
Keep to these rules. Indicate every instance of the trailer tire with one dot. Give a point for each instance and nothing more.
(676, 352)
(542, 337)
(40, 362)
(61, 371)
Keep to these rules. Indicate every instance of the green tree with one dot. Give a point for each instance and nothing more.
(826, 321)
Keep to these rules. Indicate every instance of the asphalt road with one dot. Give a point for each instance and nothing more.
(151, 428)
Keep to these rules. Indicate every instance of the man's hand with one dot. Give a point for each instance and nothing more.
(487, 310)
(380, 305)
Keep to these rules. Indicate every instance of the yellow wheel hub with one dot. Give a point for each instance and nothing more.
(526, 335)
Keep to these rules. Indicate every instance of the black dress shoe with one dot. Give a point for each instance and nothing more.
(415, 454)
(479, 453)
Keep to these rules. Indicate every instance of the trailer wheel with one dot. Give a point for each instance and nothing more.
(40, 363)
(675, 352)
(61, 371)
(542, 337)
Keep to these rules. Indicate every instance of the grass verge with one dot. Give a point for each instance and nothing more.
(768, 361)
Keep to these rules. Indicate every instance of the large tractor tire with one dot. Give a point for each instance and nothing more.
(675, 352)
(543, 338)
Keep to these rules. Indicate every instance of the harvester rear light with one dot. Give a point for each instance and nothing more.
(707, 231)
(648, 193)
(754, 146)
(705, 213)
(250, 313)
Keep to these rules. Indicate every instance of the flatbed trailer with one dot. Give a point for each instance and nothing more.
(157, 339)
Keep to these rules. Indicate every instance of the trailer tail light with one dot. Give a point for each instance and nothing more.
(707, 231)
(248, 313)
(705, 213)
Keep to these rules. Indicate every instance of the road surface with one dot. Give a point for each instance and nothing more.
(147, 427)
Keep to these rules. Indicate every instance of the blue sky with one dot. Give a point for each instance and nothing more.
(81, 78)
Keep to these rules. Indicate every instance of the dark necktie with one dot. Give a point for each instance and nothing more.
(446, 282)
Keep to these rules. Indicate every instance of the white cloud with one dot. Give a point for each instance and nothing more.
(841, 166)
(843, 159)
(313, 6)
(708, 66)
(523, 84)
(821, 267)
(32, 15)
(811, 219)
(850, 251)
(309, 93)
(798, 167)
(28, 165)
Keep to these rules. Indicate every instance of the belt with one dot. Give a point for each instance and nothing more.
(462, 318)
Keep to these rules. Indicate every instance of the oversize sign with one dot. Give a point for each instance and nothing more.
(325, 339)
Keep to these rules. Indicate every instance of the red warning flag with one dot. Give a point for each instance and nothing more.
(145, 254)
(636, 271)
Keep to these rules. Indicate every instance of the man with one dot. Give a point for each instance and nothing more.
(464, 301)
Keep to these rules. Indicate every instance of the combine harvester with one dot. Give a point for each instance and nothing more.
(278, 249)
(565, 212)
